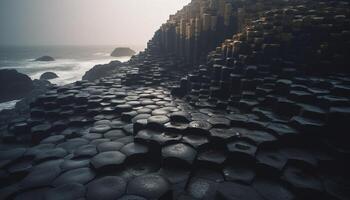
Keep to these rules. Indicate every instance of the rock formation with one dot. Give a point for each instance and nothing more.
(48, 76)
(45, 59)
(100, 71)
(14, 85)
(122, 51)
(261, 113)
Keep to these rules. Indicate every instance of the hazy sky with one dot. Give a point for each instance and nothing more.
(83, 22)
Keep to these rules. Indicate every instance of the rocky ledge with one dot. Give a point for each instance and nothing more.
(122, 51)
(14, 85)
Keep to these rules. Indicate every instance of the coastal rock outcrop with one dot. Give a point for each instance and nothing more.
(122, 51)
(45, 59)
(99, 71)
(14, 85)
(48, 76)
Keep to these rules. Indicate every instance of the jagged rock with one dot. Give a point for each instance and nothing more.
(122, 51)
(45, 59)
(48, 76)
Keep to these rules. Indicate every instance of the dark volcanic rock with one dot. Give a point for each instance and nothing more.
(99, 71)
(14, 85)
(48, 76)
(122, 51)
(45, 58)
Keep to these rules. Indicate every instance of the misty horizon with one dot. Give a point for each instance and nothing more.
(83, 22)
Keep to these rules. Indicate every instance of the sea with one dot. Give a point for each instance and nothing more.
(71, 62)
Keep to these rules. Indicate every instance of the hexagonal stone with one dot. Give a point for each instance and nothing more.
(106, 188)
(55, 139)
(272, 189)
(179, 116)
(219, 122)
(180, 152)
(132, 149)
(159, 112)
(40, 132)
(221, 134)
(175, 174)
(166, 138)
(258, 137)
(114, 134)
(272, 159)
(300, 155)
(197, 141)
(85, 150)
(42, 175)
(212, 157)
(242, 148)
(175, 127)
(74, 164)
(150, 186)
(50, 154)
(302, 180)
(80, 176)
(200, 188)
(101, 128)
(108, 160)
(72, 144)
(109, 146)
(234, 191)
(92, 136)
(199, 127)
(117, 123)
(157, 122)
(69, 191)
(9, 156)
(243, 172)
(281, 130)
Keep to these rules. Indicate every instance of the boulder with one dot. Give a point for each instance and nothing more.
(122, 51)
(99, 71)
(45, 59)
(14, 85)
(48, 76)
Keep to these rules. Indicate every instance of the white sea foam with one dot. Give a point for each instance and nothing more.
(8, 105)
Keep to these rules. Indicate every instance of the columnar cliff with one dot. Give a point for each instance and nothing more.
(230, 100)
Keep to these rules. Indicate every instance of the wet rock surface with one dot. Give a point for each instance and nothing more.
(227, 129)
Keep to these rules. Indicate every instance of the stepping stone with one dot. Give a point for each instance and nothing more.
(197, 141)
(166, 138)
(258, 137)
(179, 151)
(144, 111)
(180, 117)
(99, 141)
(159, 112)
(211, 157)
(74, 164)
(175, 174)
(199, 127)
(175, 127)
(140, 116)
(221, 134)
(141, 165)
(80, 176)
(272, 159)
(102, 128)
(234, 191)
(150, 186)
(32, 194)
(107, 160)
(114, 134)
(271, 189)
(301, 180)
(42, 175)
(281, 130)
(106, 188)
(9, 156)
(40, 132)
(243, 172)
(69, 191)
(50, 154)
(92, 136)
(157, 122)
(19, 168)
(72, 144)
(88, 150)
(116, 124)
(200, 188)
(109, 146)
(219, 122)
(125, 140)
(238, 120)
(55, 139)
(127, 116)
(242, 148)
(300, 155)
(133, 149)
